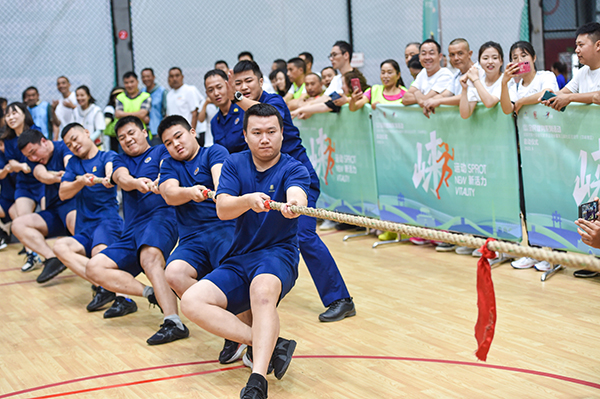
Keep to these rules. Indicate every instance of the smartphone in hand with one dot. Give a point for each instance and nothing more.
(548, 95)
(355, 83)
(589, 211)
(524, 67)
(334, 96)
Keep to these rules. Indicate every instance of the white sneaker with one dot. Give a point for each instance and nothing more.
(543, 266)
(464, 250)
(476, 253)
(32, 260)
(524, 263)
(327, 225)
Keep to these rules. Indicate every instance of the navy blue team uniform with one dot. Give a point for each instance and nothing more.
(148, 219)
(57, 210)
(7, 189)
(228, 131)
(98, 221)
(203, 238)
(26, 184)
(266, 242)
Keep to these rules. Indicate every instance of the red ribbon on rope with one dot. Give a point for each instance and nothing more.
(486, 303)
(268, 204)
(205, 193)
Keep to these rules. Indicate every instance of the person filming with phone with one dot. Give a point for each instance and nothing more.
(586, 82)
(588, 225)
(521, 83)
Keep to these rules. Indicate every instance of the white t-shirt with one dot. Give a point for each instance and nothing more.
(437, 82)
(268, 87)
(183, 101)
(495, 89)
(585, 81)
(65, 114)
(335, 85)
(92, 119)
(211, 111)
(200, 126)
(543, 80)
(455, 87)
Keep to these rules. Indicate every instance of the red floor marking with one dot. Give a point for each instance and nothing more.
(127, 384)
(10, 270)
(94, 377)
(33, 281)
(409, 359)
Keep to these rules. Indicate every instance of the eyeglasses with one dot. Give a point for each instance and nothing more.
(333, 55)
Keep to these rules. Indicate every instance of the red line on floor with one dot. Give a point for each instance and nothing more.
(408, 359)
(33, 281)
(10, 270)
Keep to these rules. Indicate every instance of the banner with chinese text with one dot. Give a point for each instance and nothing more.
(560, 157)
(340, 147)
(446, 172)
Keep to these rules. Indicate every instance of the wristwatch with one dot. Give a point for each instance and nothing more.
(238, 96)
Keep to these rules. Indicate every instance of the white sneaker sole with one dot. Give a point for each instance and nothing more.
(237, 354)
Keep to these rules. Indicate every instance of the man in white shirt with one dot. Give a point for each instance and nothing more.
(586, 82)
(65, 107)
(460, 58)
(182, 99)
(432, 80)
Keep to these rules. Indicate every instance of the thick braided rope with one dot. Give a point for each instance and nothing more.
(588, 262)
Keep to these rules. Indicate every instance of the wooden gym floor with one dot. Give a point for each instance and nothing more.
(412, 336)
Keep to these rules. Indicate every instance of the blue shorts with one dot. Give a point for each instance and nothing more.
(107, 232)
(203, 250)
(234, 275)
(6, 203)
(35, 193)
(157, 232)
(56, 219)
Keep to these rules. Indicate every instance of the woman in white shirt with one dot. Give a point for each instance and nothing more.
(485, 83)
(521, 88)
(89, 114)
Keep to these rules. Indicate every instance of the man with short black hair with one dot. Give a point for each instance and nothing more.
(314, 89)
(279, 64)
(261, 266)
(47, 160)
(133, 102)
(245, 88)
(327, 75)
(432, 80)
(308, 61)
(183, 99)
(222, 65)
(586, 81)
(98, 223)
(296, 71)
(245, 55)
(158, 108)
(340, 57)
(149, 234)
(42, 112)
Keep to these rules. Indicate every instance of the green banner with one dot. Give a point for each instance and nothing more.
(340, 147)
(431, 20)
(446, 172)
(560, 157)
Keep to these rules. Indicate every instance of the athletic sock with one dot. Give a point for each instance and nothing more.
(175, 319)
(148, 290)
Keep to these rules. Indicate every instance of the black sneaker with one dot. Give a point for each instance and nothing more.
(168, 332)
(23, 251)
(231, 352)
(338, 310)
(121, 306)
(585, 273)
(282, 356)
(52, 268)
(154, 302)
(101, 297)
(256, 388)
(249, 361)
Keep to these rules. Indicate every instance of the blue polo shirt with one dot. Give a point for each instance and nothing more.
(257, 231)
(93, 203)
(194, 216)
(56, 163)
(137, 207)
(229, 132)
(157, 107)
(26, 181)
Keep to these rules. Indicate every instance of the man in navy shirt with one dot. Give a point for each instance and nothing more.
(261, 266)
(47, 159)
(149, 234)
(245, 87)
(98, 223)
(203, 238)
